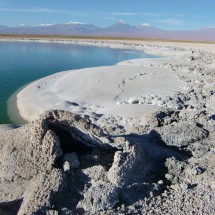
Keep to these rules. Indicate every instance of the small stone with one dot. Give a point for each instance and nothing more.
(168, 177)
(100, 197)
(160, 182)
(72, 159)
(164, 194)
(184, 186)
(133, 101)
(199, 170)
(151, 194)
(132, 208)
(67, 167)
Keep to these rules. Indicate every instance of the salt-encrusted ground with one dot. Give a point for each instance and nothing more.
(134, 138)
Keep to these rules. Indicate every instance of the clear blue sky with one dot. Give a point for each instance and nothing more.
(164, 14)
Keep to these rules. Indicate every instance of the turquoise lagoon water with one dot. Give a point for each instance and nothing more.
(24, 62)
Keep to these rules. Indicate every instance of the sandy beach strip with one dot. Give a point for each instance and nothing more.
(150, 46)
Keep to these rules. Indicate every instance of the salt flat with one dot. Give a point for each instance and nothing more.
(132, 138)
(96, 89)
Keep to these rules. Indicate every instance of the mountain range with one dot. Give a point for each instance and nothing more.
(119, 29)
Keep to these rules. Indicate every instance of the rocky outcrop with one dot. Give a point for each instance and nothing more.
(181, 134)
(65, 163)
(40, 159)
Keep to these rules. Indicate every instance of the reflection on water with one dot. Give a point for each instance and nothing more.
(24, 62)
